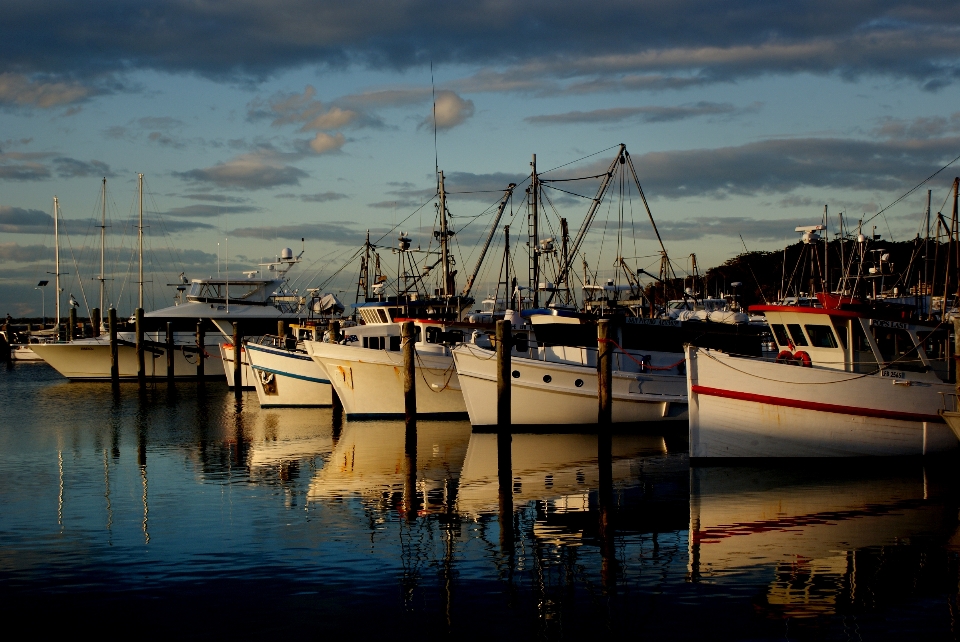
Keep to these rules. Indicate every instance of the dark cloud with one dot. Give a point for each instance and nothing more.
(320, 197)
(73, 168)
(341, 232)
(647, 114)
(209, 211)
(215, 198)
(21, 253)
(48, 47)
(17, 220)
(923, 127)
(251, 171)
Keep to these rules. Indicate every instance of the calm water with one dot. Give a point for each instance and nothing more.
(187, 515)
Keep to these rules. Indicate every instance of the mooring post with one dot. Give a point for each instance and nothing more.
(604, 373)
(281, 330)
(333, 336)
(72, 323)
(95, 321)
(114, 357)
(201, 352)
(504, 347)
(141, 367)
(170, 372)
(237, 361)
(408, 345)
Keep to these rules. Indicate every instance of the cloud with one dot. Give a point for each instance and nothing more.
(18, 220)
(324, 143)
(253, 171)
(303, 109)
(695, 228)
(647, 114)
(18, 90)
(73, 168)
(19, 166)
(450, 110)
(209, 211)
(15, 253)
(320, 197)
(921, 128)
(215, 198)
(337, 232)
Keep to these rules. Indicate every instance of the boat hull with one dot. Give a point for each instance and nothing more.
(227, 356)
(741, 407)
(370, 382)
(89, 360)
(546, 393)
(287, 378)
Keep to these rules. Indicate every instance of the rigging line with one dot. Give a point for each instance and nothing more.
(589, 198)
(580, 159)
(392, 229)
(568, 180)
(915, 188)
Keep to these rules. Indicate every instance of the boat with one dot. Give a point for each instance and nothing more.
(284, 374)
(854, 377)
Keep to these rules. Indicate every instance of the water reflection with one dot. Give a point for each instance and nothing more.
(294, 512)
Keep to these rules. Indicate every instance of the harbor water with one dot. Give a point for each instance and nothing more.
(182, 512)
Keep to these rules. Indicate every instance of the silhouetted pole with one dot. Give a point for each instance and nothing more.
(407, 343)
(114, 357)
(141, 367)
(72, 323)
(608, 553)
(333, 336)
(201, 352)
(604, 373)
(95, 321)
(170, 372)
(237, 361)
(504, 346)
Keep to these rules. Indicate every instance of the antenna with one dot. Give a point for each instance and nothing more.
(433, 89)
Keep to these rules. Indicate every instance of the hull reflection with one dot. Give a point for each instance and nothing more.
(819, 532)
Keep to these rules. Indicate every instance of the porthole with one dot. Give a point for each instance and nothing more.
(516, 374)
(578, 383)
(547, 378)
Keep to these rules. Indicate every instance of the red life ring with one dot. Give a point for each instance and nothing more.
(786, 357)
(803, 359)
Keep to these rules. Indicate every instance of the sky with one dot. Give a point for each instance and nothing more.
(258, 124)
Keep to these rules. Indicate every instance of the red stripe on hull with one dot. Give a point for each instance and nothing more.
(815, 405)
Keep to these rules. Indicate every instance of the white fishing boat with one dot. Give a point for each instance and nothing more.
(284, 374)
(848, 382)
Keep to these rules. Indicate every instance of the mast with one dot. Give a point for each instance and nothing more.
(366, 269)
(533, 233)
(140, 241)
(486, 245)
(445, 259)
(826, 251)
(564, 239)
(103, 232)
(506, 272)
(56, 243)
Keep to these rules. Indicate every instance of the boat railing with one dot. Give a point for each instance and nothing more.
(954, 405)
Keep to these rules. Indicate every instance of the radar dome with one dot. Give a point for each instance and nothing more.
(286, 254)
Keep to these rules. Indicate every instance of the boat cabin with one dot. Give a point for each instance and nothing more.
(853, 341)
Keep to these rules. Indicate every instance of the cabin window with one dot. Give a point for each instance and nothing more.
(383, 315)
(797, 333)
(780, 333)
(841, 327)
(375, 343)
(897, 345)
(395, 344)
(821, 336)
(934, 344)
(433, 334)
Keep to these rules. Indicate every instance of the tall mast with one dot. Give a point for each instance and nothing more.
(140, 240)
(366, 269)
(56, 243)
(926, 257)
(103, 231)
(534, 236)
(826, 251)
(506, 272)
(443, 239)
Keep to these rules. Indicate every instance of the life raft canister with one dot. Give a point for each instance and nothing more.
(786, 356)
(803, 359)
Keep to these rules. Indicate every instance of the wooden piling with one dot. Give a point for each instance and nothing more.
(408, 340)
(95, 321)
(201, 352)
(604, 373)
(72, 324)
(170, 372)
(114, 357)
(281, 330)
(237, 361)
(141, 366)
(504, 347)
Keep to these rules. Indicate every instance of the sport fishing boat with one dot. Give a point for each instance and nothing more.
(854, 377)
